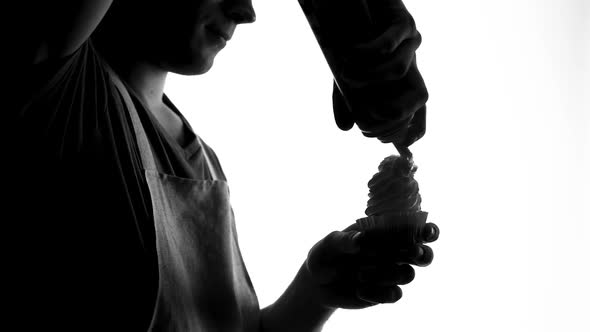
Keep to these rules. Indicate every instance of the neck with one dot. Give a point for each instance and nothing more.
(147, 80)
(127, 57)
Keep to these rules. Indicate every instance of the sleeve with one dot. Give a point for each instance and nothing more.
(75, 252)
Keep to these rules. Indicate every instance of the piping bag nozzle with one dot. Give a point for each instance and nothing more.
(404, 151)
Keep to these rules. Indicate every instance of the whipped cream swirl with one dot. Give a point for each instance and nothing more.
(393, 189)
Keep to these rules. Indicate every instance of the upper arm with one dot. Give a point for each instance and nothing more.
(58, 28)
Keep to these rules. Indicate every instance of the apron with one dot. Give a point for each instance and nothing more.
(203, 282)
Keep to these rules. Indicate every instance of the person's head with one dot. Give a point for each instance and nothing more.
(180, 36)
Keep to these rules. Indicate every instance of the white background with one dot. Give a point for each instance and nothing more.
(503, 167)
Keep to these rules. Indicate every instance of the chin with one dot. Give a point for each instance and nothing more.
(190, 65)
(198, 68)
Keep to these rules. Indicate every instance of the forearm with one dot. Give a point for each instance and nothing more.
(296, 310)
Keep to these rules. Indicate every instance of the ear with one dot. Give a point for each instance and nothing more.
(342, 114)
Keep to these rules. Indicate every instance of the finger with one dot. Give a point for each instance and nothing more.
(399, 27)
(407, 255)
(426, 258)
(344, 295)
(403, 57)
(352, 227)
(338, 243)
(387, 275)
(429, 232)
(372, 126)
(379, 117)
(419, 255)
(391, 103)
(376, 294)
(413, 90)
(345, 242)
(342, 115)
(387, 66)
(396, 100)
(406, 274)
(417, 127)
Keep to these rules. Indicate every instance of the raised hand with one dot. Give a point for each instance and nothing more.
(383, 75)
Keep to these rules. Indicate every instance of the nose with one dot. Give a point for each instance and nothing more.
(240, 11)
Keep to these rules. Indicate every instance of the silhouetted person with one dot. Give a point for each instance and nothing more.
(116, 213)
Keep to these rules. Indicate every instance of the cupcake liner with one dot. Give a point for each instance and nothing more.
(399, 228)
(392, 220)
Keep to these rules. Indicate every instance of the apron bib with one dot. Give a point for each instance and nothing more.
(203, 282)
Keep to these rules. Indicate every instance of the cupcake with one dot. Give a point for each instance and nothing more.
(394, 201)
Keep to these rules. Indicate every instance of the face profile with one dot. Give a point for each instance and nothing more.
(179, 36)
(193, 32)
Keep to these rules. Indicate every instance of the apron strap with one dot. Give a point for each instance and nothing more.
(143, 143)
(212, 169)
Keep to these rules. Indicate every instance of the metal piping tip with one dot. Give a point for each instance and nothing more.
(404, 151)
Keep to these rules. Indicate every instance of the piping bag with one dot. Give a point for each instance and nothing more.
(347, 32)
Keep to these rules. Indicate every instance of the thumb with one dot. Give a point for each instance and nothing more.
(342, 115)
(334, 244)
(344, 242)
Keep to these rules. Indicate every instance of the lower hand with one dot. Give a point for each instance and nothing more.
(346, 274)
